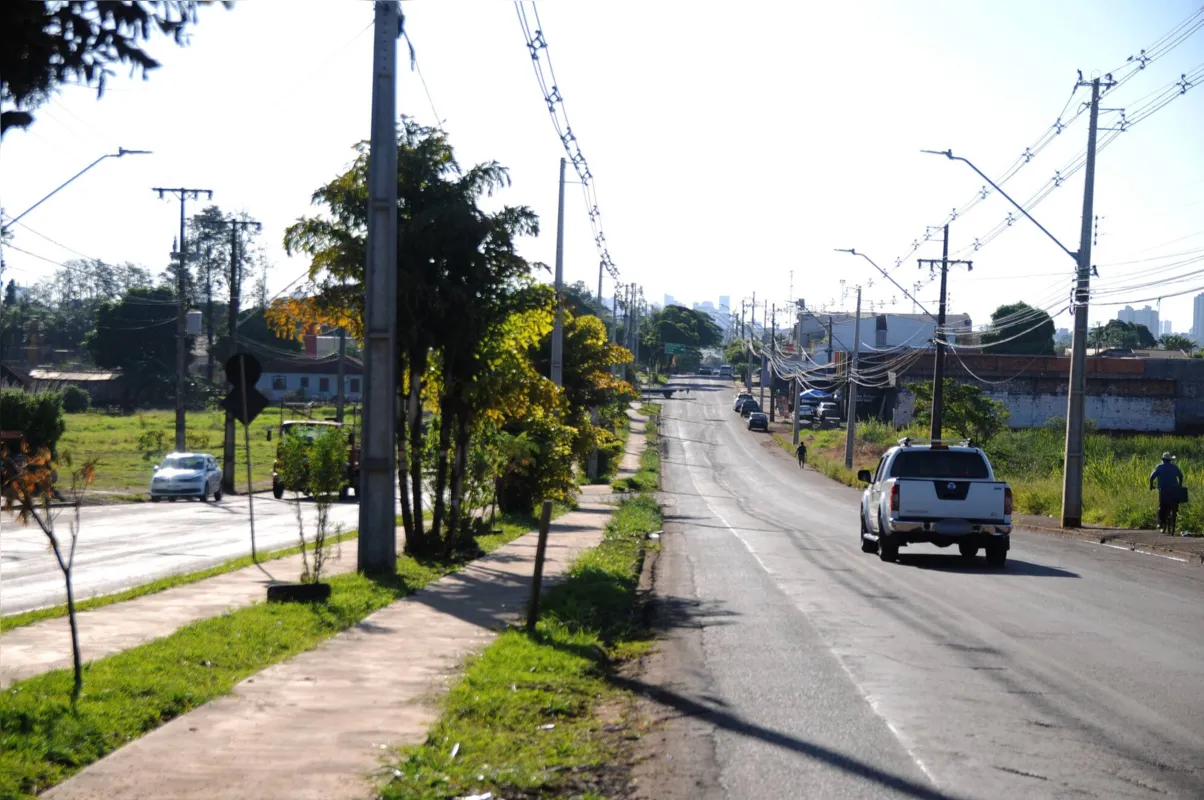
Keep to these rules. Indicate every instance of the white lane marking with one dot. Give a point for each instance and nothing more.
(870, 701)
(1143, 552)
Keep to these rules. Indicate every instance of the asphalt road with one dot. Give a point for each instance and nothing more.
(121, 546)
(816, 670)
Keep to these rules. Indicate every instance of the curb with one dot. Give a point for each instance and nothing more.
(1095, 538)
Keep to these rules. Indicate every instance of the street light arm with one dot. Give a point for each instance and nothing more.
(949, 155)
(121, 151)
(886, 275)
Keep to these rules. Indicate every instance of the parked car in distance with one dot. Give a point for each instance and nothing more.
(740, 398)
(725, 371)
(806, 412)
(825, 412)
(758, 421)
(935, 493)
(186, 475)
(749, 406)
(704, 370)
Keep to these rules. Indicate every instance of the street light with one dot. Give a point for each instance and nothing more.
(949, 155)
(121, 151)
(886, 275)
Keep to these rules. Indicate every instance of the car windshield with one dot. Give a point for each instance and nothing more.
(957, 464)
(184, 462)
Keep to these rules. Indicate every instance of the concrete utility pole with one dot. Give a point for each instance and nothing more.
(235, 282)
(558, 325)
(181, 307)
(851, 427)
(377, 546)
(938, 371)
(1072, 479)
(773, 339)
(796, 386)
(764, 359)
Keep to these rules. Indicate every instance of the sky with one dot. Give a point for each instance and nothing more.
(734, 147)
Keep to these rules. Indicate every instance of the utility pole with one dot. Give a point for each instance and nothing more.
(773, 339)
(938, 371)
(558, 325)
(341, 397)
(851, 427)
(796, 385)
(181, 306)
(232, 309)
(764, 360)
(752, 337)
(1072, 479)
(377, 545)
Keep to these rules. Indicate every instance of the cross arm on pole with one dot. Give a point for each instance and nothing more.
(949, 155)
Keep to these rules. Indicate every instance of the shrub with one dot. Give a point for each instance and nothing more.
(76, 400)
(39, 415)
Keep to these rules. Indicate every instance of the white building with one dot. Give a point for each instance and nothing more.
(1167, 330)
(883, 331)
(1197, 319)
(305, 378)
(1145, 316)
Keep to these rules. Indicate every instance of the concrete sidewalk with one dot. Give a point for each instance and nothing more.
(318, 725)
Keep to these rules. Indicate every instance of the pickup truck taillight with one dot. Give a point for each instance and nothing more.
(1007, 502)
(894, 497)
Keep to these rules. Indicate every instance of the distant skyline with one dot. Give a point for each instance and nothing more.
(679, 118)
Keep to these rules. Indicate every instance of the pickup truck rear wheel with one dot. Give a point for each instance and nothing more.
(887, 551)
(997, 555)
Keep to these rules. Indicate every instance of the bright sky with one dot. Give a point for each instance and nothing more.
(731, 143)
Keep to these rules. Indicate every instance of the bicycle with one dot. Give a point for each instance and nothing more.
(1170, 519)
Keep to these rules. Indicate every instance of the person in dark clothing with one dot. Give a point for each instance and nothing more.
(801, 452)
(1169, 478)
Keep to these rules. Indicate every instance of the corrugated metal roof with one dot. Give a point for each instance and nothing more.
(73, 377)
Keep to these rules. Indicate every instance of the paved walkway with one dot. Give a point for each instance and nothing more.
(318, 725)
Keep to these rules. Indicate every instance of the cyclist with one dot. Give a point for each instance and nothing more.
(801, 452)
(1169, 478)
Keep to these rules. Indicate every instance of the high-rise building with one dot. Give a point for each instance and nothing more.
(1167, 330)
(1145, 316)
(670, 300)
(1197, 319)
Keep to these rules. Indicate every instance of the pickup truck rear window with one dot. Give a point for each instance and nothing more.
(958, 465)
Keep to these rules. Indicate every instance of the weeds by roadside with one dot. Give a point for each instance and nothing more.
(647, 478)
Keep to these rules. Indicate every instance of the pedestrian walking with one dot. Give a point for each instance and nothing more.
(801, 452)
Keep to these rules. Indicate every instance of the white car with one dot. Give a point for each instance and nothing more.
(186, 475)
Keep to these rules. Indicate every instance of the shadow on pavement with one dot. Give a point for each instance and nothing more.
(955, 563)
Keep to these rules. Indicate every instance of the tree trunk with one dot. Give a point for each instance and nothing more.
(209, 326)
(414, 415)
(463, 438)
(441, 465)
(413, 545)
(78, 688)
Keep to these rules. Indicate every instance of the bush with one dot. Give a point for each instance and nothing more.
(76, 400)
(39, 415)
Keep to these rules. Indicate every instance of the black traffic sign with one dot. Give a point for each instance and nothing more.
(244, 401)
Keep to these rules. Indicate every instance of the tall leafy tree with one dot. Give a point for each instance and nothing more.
(46, 44)
(1174, 341)
(1117, 333)
(1020, 329)
(137, 335)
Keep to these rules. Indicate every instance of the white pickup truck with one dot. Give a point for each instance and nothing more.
(936, 493)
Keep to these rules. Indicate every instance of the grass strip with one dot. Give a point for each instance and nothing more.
(522, 721)
(159, 585)
(648, 477)
(42, 742)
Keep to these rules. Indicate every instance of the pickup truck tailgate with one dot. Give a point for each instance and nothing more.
(954, 501)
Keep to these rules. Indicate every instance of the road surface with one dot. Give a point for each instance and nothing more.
(797, 666)
(127, 545)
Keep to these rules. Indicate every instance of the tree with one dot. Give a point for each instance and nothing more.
(676, 325)
(1125, 335)
(1173, 341)
(316, 467)
(580, 299)
(137, 335)
(966, 411)
(1020, 329)
(46, 44)
(27, 485)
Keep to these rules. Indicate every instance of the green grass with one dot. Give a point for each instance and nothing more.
(42, 742)
(647, 478)
(162, 584)
(500, 710)
(1115, 476)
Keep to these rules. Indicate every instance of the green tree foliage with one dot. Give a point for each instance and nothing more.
(1173, 341)
(1020, 329)
(66, 304)
(967, 411)
(45, 44)
(316, 467)
(76, 400)
(137, 335)
(1127, 335)
(676, 325)
(38, 415)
